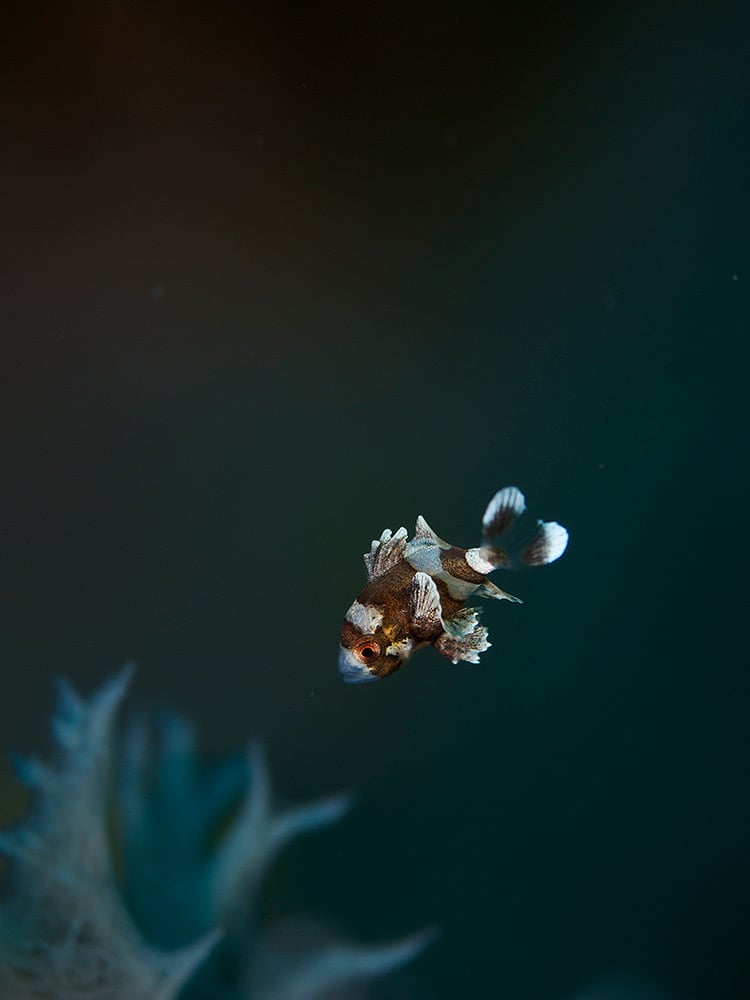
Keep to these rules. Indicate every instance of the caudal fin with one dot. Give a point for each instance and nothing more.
(512, 538)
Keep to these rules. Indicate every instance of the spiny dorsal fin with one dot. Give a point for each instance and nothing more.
(424, 534)
(426, 609)
(385, 552)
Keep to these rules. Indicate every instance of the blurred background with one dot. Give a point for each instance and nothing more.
(278, 275)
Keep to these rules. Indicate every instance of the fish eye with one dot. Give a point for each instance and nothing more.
(368, 650)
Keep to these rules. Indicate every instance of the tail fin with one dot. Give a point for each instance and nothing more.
(513, 539)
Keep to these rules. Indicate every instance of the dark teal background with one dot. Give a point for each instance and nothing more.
(276, 276)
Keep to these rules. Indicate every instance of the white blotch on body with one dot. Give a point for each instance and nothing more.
(365, 617)
(478, 563)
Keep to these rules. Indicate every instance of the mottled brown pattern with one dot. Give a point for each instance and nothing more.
(349, 635)
(391, 589)
(454, 562)
(391, 593)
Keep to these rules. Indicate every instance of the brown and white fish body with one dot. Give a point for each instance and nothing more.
(417, 590)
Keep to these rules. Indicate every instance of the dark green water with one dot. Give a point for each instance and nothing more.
(277, 279)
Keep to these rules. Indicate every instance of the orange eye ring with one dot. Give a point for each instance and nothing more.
(368, 650)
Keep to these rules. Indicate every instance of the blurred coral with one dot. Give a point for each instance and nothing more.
(193, 843)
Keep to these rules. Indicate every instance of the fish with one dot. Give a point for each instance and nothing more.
(417, 591)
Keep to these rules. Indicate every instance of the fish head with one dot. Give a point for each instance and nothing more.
(366, 652)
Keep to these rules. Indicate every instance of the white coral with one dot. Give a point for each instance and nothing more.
(65, 932)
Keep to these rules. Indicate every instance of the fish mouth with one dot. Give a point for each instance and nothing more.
(351, 670)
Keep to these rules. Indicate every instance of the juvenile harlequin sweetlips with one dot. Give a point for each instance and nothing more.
(417, 590)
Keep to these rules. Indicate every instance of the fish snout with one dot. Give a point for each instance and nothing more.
(352, 670)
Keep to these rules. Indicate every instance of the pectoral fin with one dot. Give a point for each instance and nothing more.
(426, 609)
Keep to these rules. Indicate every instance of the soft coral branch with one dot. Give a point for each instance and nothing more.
(64, 931)
(195, 844)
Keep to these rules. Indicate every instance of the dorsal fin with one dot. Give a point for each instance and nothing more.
(385, 552)
(424, 534)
